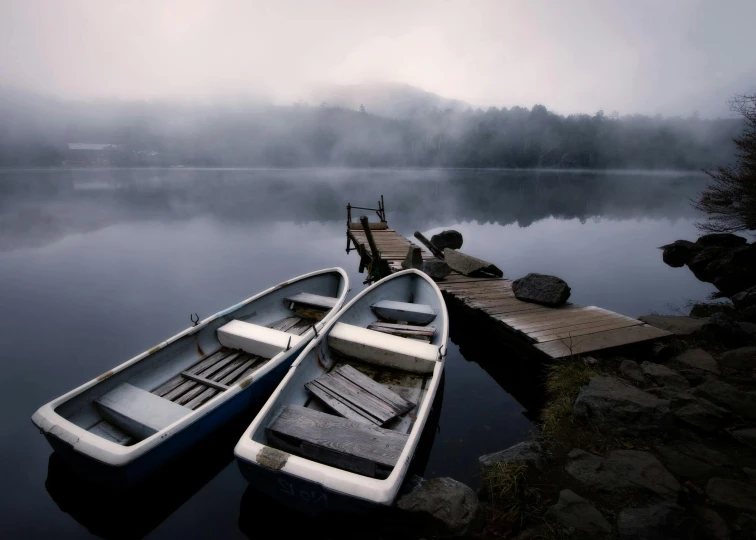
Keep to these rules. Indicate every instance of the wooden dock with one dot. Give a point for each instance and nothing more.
(556, 332)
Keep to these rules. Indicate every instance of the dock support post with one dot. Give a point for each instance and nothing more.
(369, 235)
(433, 249)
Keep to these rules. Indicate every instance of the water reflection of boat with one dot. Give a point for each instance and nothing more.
(125, 424)
(137, 510)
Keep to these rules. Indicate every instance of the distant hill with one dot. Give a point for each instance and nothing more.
(393, 100)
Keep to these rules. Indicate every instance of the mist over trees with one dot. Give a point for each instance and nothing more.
(729, 202)
(34, 131)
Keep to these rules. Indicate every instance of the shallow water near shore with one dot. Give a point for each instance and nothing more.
(99, 265)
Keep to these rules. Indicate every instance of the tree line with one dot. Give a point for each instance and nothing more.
(36, 133)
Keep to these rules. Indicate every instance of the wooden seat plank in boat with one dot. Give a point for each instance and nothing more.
(422, 333)
(316, 301)
(336, 441)
(357, 397)
(256, 339)
(138, 412)
(383, 349)
(224, 367)
(392, 310)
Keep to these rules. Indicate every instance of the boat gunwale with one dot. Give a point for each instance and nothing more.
(373, 490)
(50, 423)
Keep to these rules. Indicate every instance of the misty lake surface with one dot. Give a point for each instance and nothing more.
(99, 265)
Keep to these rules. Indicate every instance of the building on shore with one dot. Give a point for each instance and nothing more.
(91, 153)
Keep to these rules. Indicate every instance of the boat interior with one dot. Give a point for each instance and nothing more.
(170, 382)
(353, 400)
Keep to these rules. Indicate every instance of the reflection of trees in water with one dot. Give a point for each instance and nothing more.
(71, 201)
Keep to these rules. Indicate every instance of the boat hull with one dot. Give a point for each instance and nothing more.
(140, 468)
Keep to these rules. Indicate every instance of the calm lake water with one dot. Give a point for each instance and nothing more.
(99, 265)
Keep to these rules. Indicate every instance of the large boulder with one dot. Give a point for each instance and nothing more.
(690, 459)
(661, 521)
(442, 508)
(679, 253)
(728, 330)
(573, 511)
(698, 359)
(677, 324)
(615, 406)
(713, 525)
(541, 289)
(436, 269)
(746, 436)
(629, 369)
(732, 271)
(721, 239)
(732, 493)
(447, 239)
(744, 299)
(622, 469)
(710, 308)
(529, 453)
(729, 397)
(743, 358)
(414, 258)
(699, 413)
(663, 376)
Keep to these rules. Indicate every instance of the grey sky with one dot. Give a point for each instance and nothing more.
(666, 56)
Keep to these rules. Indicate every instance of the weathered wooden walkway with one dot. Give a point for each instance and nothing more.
(557, 332)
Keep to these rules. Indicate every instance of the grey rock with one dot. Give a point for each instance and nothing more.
(749, 328)
(662, 351)
(732, 493)
(744, 299)
(729, 397)
(709, 309)
(663, 376)
(699, 359)
(712, 523)
(721, 239)
(622, 469)
(746, 436)
(691, 460)
(414, 258)
(729, 269)
(699, 413)
(678, 325)
(661, 521)
(679, 253)
(541, 289)
(630, 370)
(528, 452)
(574, 511)
(469, 265)
(728, 329)
(442, 507)
(436, 269)
(447, 239)
(590, 361)
(743, 358)
(746, 524)
(614, 405)
(750, 473)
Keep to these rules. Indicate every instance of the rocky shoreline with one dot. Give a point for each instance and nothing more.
(647, 442)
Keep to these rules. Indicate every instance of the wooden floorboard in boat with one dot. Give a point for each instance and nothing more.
(544, 327)
(337, 440)
(225, 367)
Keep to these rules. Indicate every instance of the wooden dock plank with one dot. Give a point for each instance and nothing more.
(603, 340)
(581, 330)
(546, 328)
